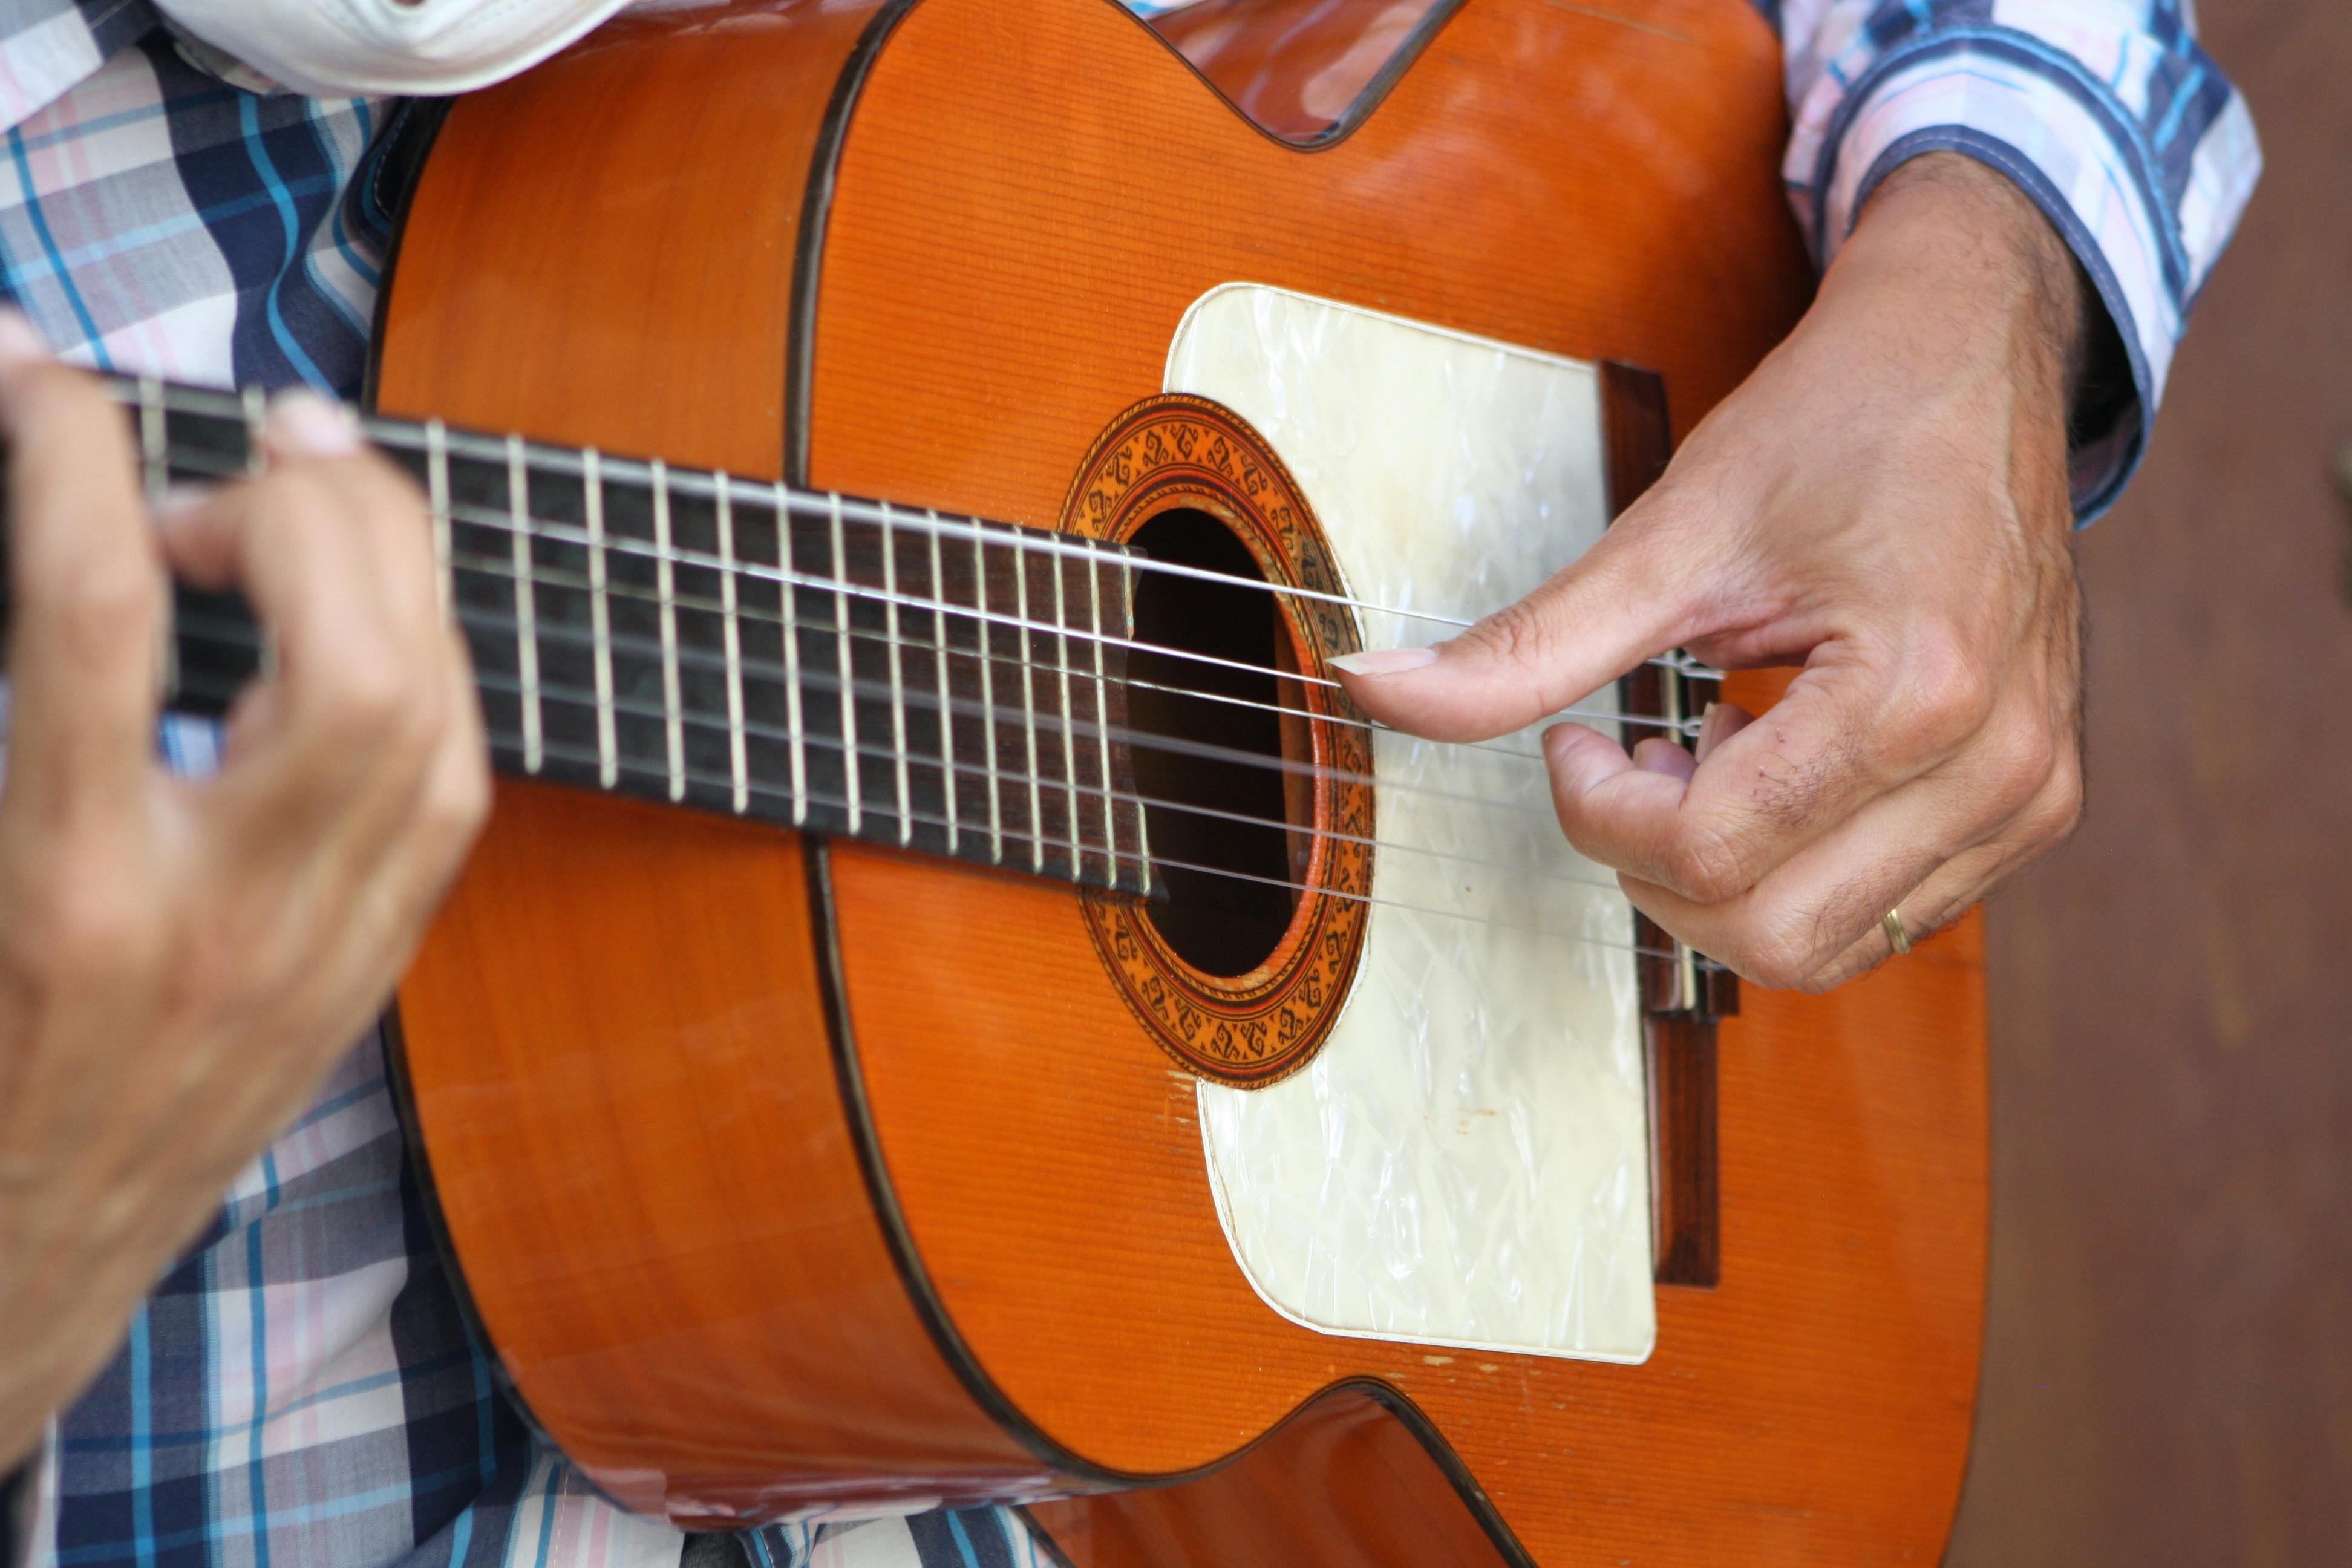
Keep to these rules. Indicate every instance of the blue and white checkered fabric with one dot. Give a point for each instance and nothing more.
(153, 216)
(2105, 111)
(302, 1389)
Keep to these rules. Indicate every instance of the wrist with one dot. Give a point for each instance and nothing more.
(1955, 247)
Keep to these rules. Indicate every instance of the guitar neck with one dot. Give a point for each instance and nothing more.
(820, 661)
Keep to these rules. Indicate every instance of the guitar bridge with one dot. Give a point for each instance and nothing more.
(1683, 992)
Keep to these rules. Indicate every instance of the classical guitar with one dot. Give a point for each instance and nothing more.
(953, 1004)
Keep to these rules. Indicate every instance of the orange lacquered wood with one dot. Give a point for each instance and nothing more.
(1542, 176)
(1343, 1484)
(1077, 1247)
(1030, 194)
(600, 252)
(619, 1060)
(695, 1287)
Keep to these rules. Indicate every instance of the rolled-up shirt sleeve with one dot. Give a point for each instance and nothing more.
(2106, 112)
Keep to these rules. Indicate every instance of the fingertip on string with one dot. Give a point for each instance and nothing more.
(1379, 661)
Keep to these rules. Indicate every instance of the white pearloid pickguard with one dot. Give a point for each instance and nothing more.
(1466, 1161)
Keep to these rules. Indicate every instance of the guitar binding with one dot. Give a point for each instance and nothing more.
(1235, 1009)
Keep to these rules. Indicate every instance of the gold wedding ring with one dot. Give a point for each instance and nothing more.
(1893, 926)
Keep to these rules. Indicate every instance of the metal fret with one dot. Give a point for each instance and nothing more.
(665, 584)
(255, 410)
(1102, 710)
(579, 699)
(849, 698)
(1029, 710)
(256, 413)
(535, 750)
(737, 770)
(600, 618)
(1069, 737)
(153, 453)
(791, 657)
(898, 674)
(436, 495)
(988, 703)
(1127, 629)
(939, 667)
(1670, 688)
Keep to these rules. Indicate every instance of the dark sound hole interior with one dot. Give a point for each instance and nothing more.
(1223, 924)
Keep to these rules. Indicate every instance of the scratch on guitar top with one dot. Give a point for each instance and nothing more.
(1182, 1083)
(1625, 21)
(1438, 1360)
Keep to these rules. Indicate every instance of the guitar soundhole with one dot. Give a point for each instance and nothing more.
(1216, 806)
(1258, 802)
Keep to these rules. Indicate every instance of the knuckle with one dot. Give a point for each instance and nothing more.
(455, 803)
(372, 704)
(1824, 980)
(2067, 795)
(106, 609)
(94, 928)
(2059, 811)
(370, 701)
(1807, 947)
(1948, 692)
(1776, 961)
(2021, 767)
(1518, 633)
(1706, 866)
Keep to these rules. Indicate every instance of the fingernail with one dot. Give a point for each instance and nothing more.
(1385, 661)
(182, 498)
(1661, 756)
(1576, 767)
(1561, 737)
(305, 423)
(20, 344)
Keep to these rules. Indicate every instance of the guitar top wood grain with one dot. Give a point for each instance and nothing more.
(883, 1195)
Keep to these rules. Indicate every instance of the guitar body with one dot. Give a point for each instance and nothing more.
(790, 1175)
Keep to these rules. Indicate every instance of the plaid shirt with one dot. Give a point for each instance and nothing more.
(301, 1388)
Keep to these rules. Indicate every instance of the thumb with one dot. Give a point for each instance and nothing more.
(1628, 597)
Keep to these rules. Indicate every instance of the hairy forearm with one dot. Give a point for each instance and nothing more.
(1972, 267)
(103, 1182)
(69, 1285)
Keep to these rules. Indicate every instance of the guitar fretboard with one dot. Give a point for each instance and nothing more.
(828, 663)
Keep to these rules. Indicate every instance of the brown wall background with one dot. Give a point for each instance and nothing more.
(2168, 1374)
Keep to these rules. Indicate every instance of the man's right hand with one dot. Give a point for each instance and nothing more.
(1883, 501)
(182, 961)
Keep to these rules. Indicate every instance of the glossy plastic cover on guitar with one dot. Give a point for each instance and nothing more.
(1466, 1162)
